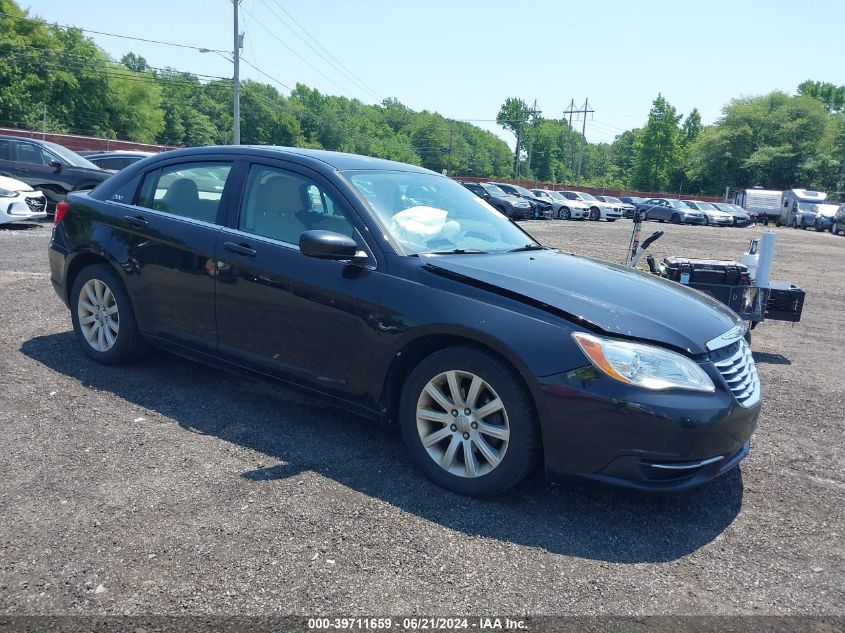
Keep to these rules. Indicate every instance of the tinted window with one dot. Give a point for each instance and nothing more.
(569, 195)
(114, 163)
(33, 154)
(5, 153)
(283, 205)
(190, 190)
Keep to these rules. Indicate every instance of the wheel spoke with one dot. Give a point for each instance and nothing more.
(474, 390)
(87, 306)
(91, 332)
(433, 416)
(449, 455)
(499, 432)
(470, 462)
(109, 336)
(101, 339)
(107, 295)
(438, 396)
(488, 452)
(114, 326)
(437, 436)
(111, 309)
(98, 290)
(89, 292)
(87, 320)
(454, 388)
(488, 409)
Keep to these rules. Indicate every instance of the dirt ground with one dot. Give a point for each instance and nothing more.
(166, 487)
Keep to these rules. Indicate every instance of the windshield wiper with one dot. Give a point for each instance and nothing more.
(527, 247)
(456, 251)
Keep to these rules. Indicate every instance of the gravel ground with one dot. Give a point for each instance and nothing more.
(166, 487)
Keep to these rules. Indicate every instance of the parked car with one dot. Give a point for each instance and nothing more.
(598, 210)
(742, 218)
(564, 209)
(542, 209)
(513, 207)
(671, 210)
(20, 202)
(490, 351)
(632, 200)
(712, 215)
(115, 160)
(838, 224)
(625, 208)
(51, 168)
(823, 217)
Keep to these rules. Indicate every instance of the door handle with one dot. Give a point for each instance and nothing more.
(240, 249)
(135, 221)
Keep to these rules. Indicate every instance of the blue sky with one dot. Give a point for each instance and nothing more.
(464, 58)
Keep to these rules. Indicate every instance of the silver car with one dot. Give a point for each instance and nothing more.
(564, 209)
(712, 215)
(671, 210)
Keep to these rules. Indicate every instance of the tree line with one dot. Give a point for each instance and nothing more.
(776, 140)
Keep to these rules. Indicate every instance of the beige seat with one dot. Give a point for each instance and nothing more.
(274, 213)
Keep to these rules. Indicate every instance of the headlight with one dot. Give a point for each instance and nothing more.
(642, 365)
(7, 193)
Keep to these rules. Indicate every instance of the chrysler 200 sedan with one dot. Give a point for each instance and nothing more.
(398, 294)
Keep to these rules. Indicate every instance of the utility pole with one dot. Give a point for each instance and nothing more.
(236, 81)
(585, 111)
(449, 159)
(571, 157)
(44, 124)
(534, 113)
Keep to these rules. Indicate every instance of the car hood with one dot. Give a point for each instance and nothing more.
(597, 295)
(13, 185)
(514, 200)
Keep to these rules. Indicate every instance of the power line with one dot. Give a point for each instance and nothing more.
(348, 75)
(270, 77)
(292, 50)
(340, 63)
(125, 37)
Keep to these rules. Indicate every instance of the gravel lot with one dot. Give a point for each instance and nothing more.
(166, 487)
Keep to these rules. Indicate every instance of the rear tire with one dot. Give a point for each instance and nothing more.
(103, 317)
(564, 213)
(476, 454)
(676, 218)
(834, 228)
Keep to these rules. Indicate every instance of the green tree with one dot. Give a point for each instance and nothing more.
(659, 152)
(832, 97)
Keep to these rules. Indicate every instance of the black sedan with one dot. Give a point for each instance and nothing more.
(115, 160)
(395, 293)
(514, 207)
(541, 209)
(53, 169)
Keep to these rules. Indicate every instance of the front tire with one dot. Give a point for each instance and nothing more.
(483, 452)
(834, 228)
(676, 218)
(595, 214)
(103, 317)
(564, 213)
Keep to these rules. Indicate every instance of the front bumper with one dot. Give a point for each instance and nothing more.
(691, 219)
(673, 440)
(22, 208)
(823, 222)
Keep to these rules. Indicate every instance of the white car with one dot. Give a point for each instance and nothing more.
(19, 201)
(712, 215)
(598, 210)
(564, 209)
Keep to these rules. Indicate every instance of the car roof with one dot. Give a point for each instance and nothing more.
(339, 161)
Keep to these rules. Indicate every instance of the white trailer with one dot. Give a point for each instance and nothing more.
(765, 203)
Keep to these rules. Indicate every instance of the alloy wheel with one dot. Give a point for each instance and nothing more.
(462, 424)
(595, 215)
(564, 213)
(98, 314)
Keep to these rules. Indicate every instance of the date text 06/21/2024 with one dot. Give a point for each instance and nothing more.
(417, 624)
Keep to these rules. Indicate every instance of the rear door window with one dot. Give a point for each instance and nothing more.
(189, 190)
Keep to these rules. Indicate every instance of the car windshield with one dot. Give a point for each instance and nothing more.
(705, 206)
(557, 195)
(677, 204)
(735, 207)
(428, 213)
(523, 191)
(586, 196)
(493, 190)
(807, 206)
(71, 157)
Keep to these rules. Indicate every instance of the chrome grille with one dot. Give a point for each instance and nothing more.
(736, 364)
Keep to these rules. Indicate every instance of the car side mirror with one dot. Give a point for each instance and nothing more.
(330, 245)
(56, 165)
